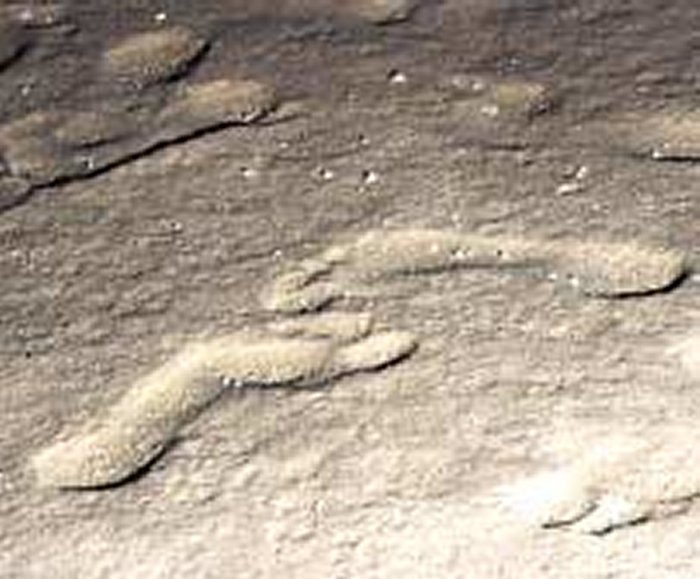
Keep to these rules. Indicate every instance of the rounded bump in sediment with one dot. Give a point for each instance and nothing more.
(615, 269)
(218, 102)
(338, 326)
(154, 56)
(375, 351)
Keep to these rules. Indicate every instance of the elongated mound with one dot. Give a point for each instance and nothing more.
(602, 269)
(150, 57)
(423, 250)
(381, 11)
(134, 431)
(375, 351)
(92, 128)
(221, 101)
(608, 269)
(670, 136)
(301, 289)
(341, 326)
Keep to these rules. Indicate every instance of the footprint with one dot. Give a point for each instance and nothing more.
(603, 269)
(141, 425)
(495, 99)
(617, 482)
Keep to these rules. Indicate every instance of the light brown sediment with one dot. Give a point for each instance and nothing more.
(221, 101)
(154, 56)
(617, 269)
(140, 426)
(340, 326)
(601, 269)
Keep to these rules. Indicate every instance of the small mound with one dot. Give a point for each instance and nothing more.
(26, 147)
(499, 99)
(520, 97)
(281, 298)
(36, 15)
(406, 251)
(29, 126)
(607, 269)
(374, 352)
(93, 128)
(299, 290)
(153, 57)
(671, 136)
(381, 11)
(45, 146)
(218, 102)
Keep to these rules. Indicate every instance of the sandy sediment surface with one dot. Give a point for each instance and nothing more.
(372, 288)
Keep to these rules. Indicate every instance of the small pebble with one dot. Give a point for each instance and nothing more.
(324, 174)
(369, 177)
(382, 12)
(568, 188)
(397, 77)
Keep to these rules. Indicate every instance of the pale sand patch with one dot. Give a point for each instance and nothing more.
(341, 326)
(141, 425)
(617, 269)
(379, 11)
(150, 57)
(220, 101)
(602, 269)
(615, 481)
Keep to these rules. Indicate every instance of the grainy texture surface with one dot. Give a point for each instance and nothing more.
(259, 152)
